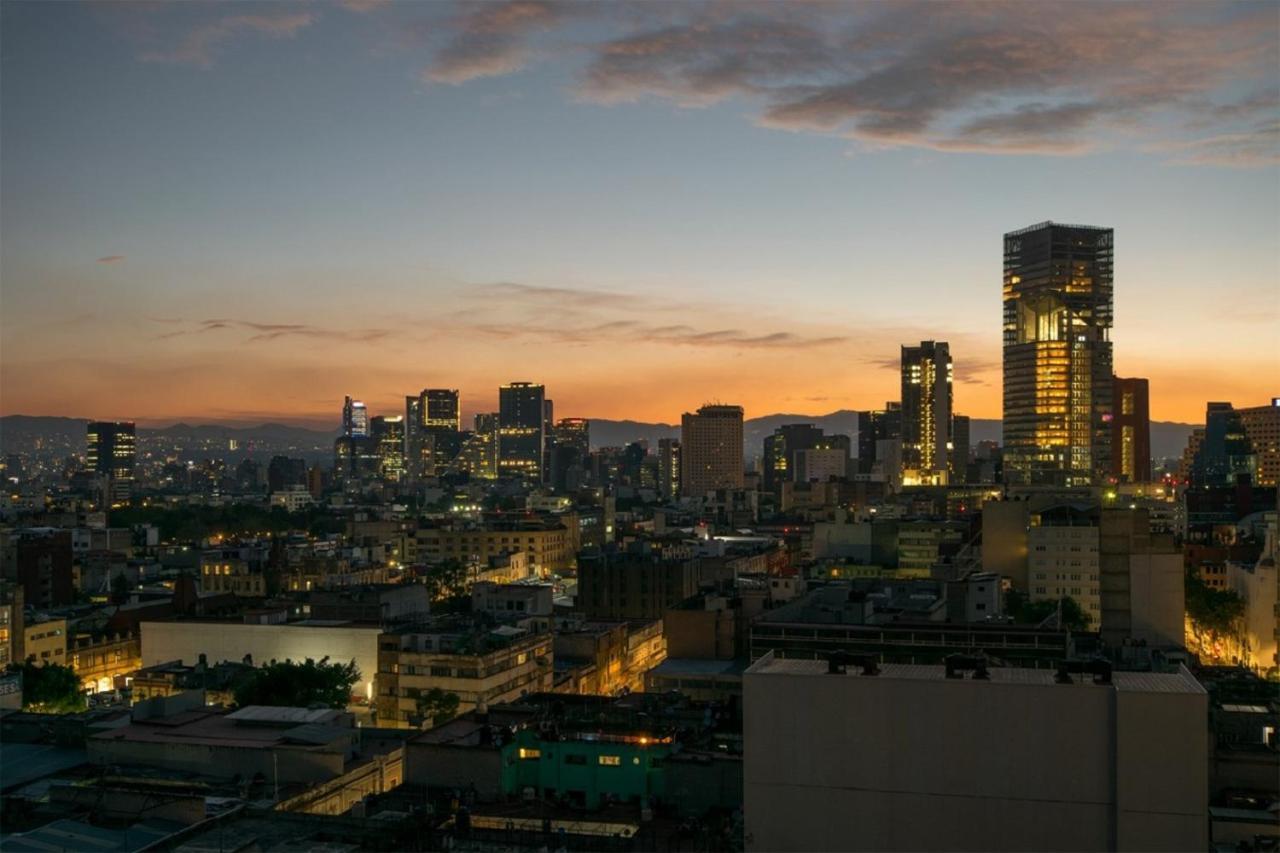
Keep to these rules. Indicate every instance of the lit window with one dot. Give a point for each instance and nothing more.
(530, 754)
(611, 760)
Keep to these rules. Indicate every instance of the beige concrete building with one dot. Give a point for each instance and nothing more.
(1062, 560)
(711, 450)
(46, 641)
(550, 544)
(223, 574)
(480, 667)
(909, 759)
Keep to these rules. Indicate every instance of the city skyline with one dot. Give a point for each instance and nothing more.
(276, 206)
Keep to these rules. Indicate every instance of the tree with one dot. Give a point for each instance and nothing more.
(299, 685)
(1217, 615)
(50, 688)
(446, 579)
(1027, 612)
(437, 706)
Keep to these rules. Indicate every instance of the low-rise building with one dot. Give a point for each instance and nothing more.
(478, 663)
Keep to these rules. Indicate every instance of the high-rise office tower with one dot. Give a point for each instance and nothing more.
(961, 450)
(441, 425)
(782, 454)
(388, 438)
(111, 449)
(1224, 454)
(711, 450)
(875, 427)
(926, 413)
(669, 468)
(1130, 431)
(478, 456)
(1057, 355)
(570, 454)
(414, 460)
(355, 419)
(522, 439)
(1262, 426)
(575, 433)
(548, 438)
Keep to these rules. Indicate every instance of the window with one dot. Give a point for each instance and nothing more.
(529, 754)
(575, 759)
(611, 760)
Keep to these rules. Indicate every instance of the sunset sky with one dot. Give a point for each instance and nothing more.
(240, 212)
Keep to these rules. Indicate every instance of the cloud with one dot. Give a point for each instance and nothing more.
(1257, 146)
(492, 39)
(1030, 78)
(200, 44)
(110, 259)
(263, 332)
(628, 331)
(513, 292)
(363, 6)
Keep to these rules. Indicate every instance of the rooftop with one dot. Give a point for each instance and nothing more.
(1129, 682)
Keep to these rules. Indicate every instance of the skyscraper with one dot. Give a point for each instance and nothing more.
(669, 468)
(388, 437)
(414, 459)
(1057, 355)
(1262, 426)
(926, 413)
(1225, 453)
(711, 450)
(111, 449)
(355, 419)
(782, 449)
(875, 427)
(569, 454)
(960, 450)
(478, 455)
(441, 425)
(1130, 431)
(522, 436)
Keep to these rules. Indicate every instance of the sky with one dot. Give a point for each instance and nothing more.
(241, 212)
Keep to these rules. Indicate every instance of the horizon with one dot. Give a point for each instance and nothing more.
(236, 215)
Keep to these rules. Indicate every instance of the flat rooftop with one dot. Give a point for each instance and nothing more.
(1130, 682)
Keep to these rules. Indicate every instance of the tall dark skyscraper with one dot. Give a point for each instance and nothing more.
(522, 438)
(874, 427)
(441, 427)
(355, 419)
(111, 450)
(926, 413)
(1130, 431)
(960, 449)
(1057, 355)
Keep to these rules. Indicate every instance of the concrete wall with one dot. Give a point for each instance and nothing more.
(852, 762)
(1157, 598)
(221, 641)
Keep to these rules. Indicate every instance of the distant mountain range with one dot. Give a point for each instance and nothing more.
(19, 432)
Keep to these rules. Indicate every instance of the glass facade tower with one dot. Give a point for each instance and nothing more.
(1057, 355)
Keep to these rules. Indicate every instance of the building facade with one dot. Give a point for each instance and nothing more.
(926, 413)
(1130, 431)
(111, 450)
(522, 438)
(711, 450)
(1057, 322)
